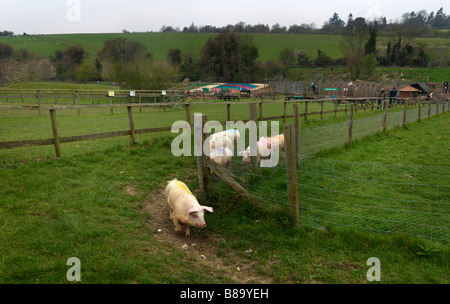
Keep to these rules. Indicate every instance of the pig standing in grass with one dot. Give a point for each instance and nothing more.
(184, 207)
(264, 146)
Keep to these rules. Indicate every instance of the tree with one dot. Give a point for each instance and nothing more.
(302, 58)
(88, 72)
(334, 25)
(174, 56)
(287, 57)
(142, 74)
(353, 39)
(369, 65)
(371, 45)
(45, 69)
(68, 61)
(122, 50)
(322, 59)
(6, 51)
(229, 57)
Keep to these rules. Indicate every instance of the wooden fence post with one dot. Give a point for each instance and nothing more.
(437, 108)
(39, 101)
(260, 111)
(253, 117)
(204, 173)
(188, 113)
(291, 172)
(321, 109)
(404, 113)
(335, 108)
(228, 111)
(297, 132)
(306, 111)
(419, 113)
(55, 133)
(111, 103)
(78, 102)
(285, 112)
(140, 101)
(350, 124)
(429, 109)
(385, 107)
(131, 123)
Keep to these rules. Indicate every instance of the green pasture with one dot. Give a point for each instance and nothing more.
(269, 45)
(51, 210)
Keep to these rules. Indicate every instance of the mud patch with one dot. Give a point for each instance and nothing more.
(202, 247)
(129, 190)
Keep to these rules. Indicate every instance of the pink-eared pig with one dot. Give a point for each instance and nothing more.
(184, 207)
(263, 146)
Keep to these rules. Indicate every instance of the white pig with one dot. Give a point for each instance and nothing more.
(264, 145)
(219, 142)
(184, 207)
(232, 134)
(221, 156)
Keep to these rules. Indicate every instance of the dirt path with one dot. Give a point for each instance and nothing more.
(201, 246)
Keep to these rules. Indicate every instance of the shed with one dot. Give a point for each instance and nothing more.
(424, 89)
(409, 91)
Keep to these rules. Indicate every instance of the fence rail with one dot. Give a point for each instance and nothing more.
(352, 105)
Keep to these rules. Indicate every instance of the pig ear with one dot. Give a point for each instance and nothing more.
(207, 209)
(193, 210)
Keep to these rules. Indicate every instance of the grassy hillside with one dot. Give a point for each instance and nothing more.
(269, 45)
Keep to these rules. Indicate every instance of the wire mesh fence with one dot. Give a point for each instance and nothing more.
(410, 200)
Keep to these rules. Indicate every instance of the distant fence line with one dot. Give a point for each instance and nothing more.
(352, 105)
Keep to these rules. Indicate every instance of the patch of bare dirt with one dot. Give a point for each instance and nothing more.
(202, 246)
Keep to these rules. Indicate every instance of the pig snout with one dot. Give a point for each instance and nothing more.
(202, 225)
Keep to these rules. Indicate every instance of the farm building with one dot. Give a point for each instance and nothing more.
(424, 89)
(408, 92)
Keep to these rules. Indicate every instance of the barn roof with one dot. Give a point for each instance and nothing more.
(422, 87)
(409, 89)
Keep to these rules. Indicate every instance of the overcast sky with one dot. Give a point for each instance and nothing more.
(112, 16)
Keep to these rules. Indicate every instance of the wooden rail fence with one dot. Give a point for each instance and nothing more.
(355, 104)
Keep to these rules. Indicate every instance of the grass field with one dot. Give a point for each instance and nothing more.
(269, 45)
(81, 205)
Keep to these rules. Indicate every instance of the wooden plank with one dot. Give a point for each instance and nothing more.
(26, 143)
(220, 172)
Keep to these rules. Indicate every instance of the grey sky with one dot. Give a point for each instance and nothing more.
(107, 16)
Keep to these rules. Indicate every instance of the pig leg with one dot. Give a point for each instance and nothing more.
(177, 224)
(187, 232)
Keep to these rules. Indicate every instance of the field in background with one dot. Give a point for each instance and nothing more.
(269, 45)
